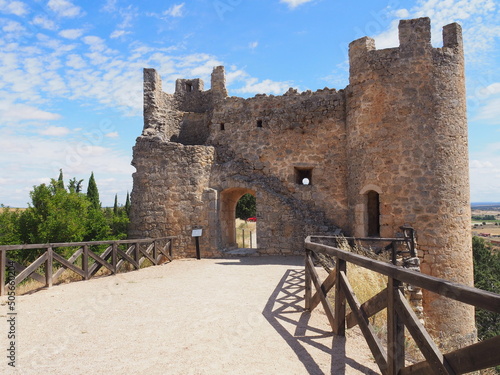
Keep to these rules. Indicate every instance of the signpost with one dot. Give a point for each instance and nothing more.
(197, 234)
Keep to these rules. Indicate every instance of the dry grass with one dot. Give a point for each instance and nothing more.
(244, 227)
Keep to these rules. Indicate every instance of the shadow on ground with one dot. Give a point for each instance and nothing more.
(285, 312)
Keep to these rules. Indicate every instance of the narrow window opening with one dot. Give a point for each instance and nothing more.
(303, 176)
(259, 123)
(189, 87)
(222, 126)
(373, 211)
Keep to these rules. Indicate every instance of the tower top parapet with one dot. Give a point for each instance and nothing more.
(414, 35)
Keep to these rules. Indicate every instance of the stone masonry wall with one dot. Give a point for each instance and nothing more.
(388, 150)
(407, 138)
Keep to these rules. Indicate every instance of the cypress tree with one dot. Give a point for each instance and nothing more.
(93, 193)
(60, 180)
(127, 204)
(115, 207)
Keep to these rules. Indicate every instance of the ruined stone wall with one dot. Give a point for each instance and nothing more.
(171, 201)
(407, 140)
(389, 150)
(264, 141)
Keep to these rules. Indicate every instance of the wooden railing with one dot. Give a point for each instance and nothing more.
(475, 357)
(83, 261)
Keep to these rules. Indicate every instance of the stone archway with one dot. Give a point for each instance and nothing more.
(228, 200)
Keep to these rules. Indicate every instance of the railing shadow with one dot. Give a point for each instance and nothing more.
(285, 308)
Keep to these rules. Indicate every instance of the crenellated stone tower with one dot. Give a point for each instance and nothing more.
(388, 150)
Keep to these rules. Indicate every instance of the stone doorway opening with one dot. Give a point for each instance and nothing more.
(373, 213)
(232, 228)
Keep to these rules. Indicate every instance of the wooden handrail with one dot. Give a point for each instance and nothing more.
(399, 314)
(459, 292)
(135, 255)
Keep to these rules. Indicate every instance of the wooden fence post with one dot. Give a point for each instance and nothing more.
(85, 261)
(137, 255)
(155, 252)
(3, 265)
(395, 331)
(48, 267)
(307, 296)
(340, 301)
(114, 257)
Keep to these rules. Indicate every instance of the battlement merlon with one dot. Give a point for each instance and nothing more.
(414, 34)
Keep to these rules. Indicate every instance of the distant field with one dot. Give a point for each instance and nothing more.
(15, 209)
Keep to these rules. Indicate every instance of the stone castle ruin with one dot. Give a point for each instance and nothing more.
(388, 150)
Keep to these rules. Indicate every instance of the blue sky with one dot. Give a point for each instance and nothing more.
(71, 72)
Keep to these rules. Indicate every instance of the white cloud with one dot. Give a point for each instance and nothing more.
(110, 6)
(76, 62)
(489, 111)
(55, 131)
(267, 86)
(45, 23)
(118, 33)
(176, 10)
(13, 7)
(253, 45)
(40, 159)
(71, 33)
(13, 27)
(96, 43)
(112, 135)
(17, 112)
(65, 8)
(294, 3)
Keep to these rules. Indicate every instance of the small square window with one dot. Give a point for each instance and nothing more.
(259, 123)
(303, 176)
(222, 126)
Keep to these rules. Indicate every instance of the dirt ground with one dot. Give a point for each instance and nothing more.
(189, 317)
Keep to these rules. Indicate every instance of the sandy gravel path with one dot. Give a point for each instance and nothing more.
(189, 317)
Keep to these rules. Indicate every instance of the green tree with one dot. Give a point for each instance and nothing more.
(486, 277)
(9, 226)
(60, 180)
(115, 207)
(246, 207)
(127, 204)
(93, 193)
(75, 186)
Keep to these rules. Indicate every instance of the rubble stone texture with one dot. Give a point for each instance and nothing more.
(388, 150)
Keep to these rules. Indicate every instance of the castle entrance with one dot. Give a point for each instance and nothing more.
(236, 233)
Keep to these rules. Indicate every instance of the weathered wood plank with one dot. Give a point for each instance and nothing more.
(127, 257)
(371, 307)
(81, 244)
(122, 261)
(3, 271)
(324, 300)
(307, 280)
(479, 356)
(85, 261)
(71, 259)
(98, 259)
(326, 286)
(439, 364)
(48, 267)
(463, 293)
(34, 275)
(373, 342)
(65, 263)
(97, 266)
(395, 331)
(340, 299)
(147, 255)
(31, 268)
